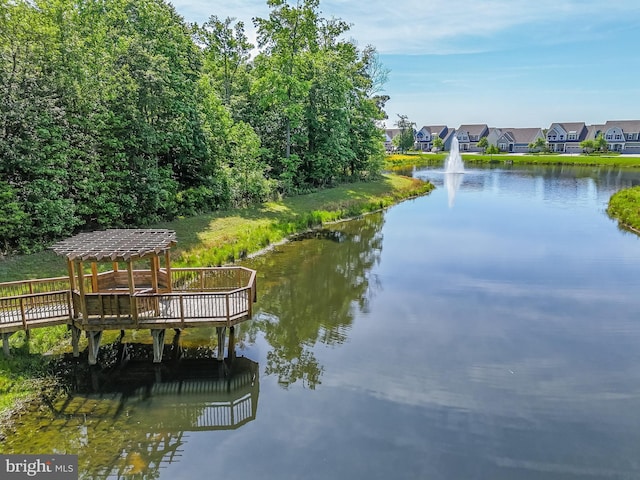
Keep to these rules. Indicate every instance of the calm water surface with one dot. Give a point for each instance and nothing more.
(487, 333)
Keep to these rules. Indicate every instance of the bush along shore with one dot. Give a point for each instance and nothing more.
(205, 240)
(402, 162)
(624, 206)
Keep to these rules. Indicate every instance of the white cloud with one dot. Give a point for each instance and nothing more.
(438, 26)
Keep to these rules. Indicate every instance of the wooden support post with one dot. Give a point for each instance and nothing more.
(167, 265)
(158, 344)
(72, 288)
(176, 351)
(83, 299)
(23, 314)
(5, 344)
(155, 266)
(75, 340)
(132, 290)
(72, 275)
(231, 349)
(94, 345)
(94, 277)
(221, 331)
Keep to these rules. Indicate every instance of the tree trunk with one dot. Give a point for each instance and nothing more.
(288, 138)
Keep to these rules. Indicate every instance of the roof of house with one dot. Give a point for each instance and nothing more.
(392, 132)
(451, 132)
(435, 129)
(571, 126)
(116, 244)
(594, 130)
(475, 129)
(579, 128)
(628, 126)
(521, 135)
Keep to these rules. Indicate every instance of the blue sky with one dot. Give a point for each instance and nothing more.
(506, 63)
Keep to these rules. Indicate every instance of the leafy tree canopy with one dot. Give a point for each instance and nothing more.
(117, 113)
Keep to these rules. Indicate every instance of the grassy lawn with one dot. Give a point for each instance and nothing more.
(625, 207)
(399, 162)
(225, 236)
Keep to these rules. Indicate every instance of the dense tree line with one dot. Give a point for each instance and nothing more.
(116, 113)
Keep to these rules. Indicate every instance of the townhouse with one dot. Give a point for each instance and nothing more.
(469, 135)
(622, 136)
(389, 134)
(566, 137)
(426, 136)
(517, 140)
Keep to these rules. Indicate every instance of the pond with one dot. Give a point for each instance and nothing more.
(489, 330)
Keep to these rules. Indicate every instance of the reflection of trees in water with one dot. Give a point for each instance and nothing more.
(310, 290)
(130, 421)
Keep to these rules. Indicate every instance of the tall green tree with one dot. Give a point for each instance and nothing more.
(227, 52)
(588, 146)
(538, 145)
(117, 113)
(288, 38)
(405, 139)
(600, 143)
(483, 143)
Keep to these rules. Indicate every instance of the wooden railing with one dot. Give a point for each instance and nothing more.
(198, 294)
(211, 279)
(33, 310)
(29, 287)
(185, 307)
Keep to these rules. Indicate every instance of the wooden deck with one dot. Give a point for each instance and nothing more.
(197, 297)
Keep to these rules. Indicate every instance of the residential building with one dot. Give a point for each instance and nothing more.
(469, 136)
(389, 134)
(566, 137)
(427, 134)
(622, 135)
(517, 140)
(494, 135)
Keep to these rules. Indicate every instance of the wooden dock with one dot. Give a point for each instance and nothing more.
(157, 298)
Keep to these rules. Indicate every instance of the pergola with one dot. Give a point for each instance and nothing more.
(123, 298)
(117, 246)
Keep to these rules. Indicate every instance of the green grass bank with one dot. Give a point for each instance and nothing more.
(624, 206)
(401, 162)
(205, 240)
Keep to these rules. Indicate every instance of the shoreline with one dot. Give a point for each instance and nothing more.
(624, 206)
(235, 231)
(399, 162)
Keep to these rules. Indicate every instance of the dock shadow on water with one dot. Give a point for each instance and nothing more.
(131, 418)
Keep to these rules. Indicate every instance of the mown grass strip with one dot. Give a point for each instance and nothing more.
(401, 162)
(224, 237)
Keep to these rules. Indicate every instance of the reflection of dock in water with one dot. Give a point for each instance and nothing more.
(221, 398)
(137, 416)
